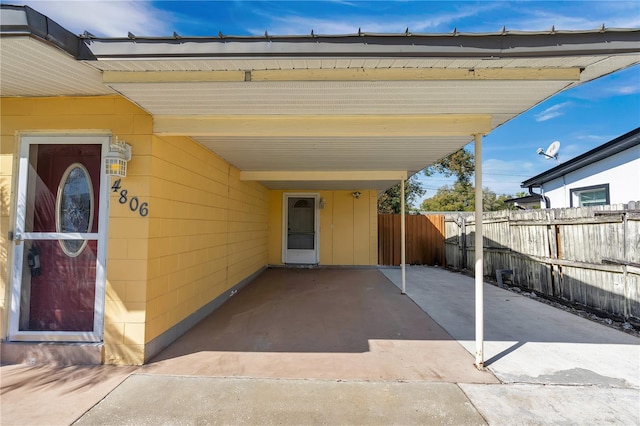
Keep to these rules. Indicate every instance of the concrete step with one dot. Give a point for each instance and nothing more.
(51, 353)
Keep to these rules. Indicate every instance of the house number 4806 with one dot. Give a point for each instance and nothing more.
(134, 203)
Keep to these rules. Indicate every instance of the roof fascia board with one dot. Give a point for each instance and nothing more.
(400, 74)
(315, 176)
(608, 149)
(488, 46)
(525, 199)
(24, 21)
(352, 74)
(119, 77)
(323, 125)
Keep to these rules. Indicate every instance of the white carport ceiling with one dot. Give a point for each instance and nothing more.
(284, 109)
(340, 97)
(183, 106)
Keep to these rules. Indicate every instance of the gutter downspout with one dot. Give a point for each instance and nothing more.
(547, 202)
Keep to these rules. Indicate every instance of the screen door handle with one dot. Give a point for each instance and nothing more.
(15, 237)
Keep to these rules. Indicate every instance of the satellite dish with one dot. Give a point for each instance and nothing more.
(551, 152)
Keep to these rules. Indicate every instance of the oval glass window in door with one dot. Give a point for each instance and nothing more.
(74, 207)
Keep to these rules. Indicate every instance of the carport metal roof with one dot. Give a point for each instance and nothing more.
(318, 111)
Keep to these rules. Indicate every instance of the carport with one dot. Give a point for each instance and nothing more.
(284, 116)
(363, 110)
(331, 324)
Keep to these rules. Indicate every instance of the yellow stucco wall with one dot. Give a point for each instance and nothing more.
(126, 276)
(7, 148)
(205, 230)
(207, 233)
(348, 228)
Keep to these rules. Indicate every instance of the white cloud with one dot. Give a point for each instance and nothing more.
(294, 24)
(105, 18)
(551, 112)
(622, 89)
(627, 90)
(613, 14)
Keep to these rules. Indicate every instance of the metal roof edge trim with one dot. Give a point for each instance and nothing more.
(582, 44)
(619, 144)
(319, 37)
(25, 21)
(523, 199)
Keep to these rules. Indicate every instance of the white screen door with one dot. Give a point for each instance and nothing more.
(300, 228)
(59, 239)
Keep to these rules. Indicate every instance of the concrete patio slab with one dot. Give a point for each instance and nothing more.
(203, 400)
(525, 341)
(320, 324)
(519, 404)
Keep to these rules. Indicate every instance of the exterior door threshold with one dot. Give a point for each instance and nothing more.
(51, 353)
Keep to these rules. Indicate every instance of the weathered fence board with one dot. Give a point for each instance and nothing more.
(424, 239)
(583, 255)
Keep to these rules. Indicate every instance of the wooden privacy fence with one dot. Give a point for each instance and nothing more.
(587, 256)
(424, 239)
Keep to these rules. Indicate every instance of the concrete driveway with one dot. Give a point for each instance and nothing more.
(320, 324)
(526, 341)
(329, 346)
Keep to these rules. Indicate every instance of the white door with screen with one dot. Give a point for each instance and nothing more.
(59, 253)
(300, 239)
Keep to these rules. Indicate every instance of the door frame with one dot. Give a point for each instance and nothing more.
(285, 220)
(25, 140)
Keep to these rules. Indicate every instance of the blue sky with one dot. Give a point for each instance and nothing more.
(581, 118)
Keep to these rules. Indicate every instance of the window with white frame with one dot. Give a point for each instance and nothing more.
(589, 196)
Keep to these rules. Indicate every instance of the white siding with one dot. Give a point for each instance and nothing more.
(621, 171)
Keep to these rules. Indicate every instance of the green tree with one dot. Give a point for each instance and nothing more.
(492, 202)
(459, 164)
(461, 197)
(456, 198)
(389, 201)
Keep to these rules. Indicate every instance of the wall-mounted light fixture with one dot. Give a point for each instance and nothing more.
(115, 161)
(356, 194)
(322, 203)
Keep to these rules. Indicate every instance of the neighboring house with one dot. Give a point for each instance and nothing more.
(526, 202)
(608, 174)
(246, 152)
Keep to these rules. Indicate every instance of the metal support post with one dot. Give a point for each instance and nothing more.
(479, 273)
(402, 238)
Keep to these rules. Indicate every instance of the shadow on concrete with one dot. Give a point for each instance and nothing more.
(26, 378)
(525, 341)
(449, 298)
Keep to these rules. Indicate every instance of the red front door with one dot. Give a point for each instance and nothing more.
(58, 288)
